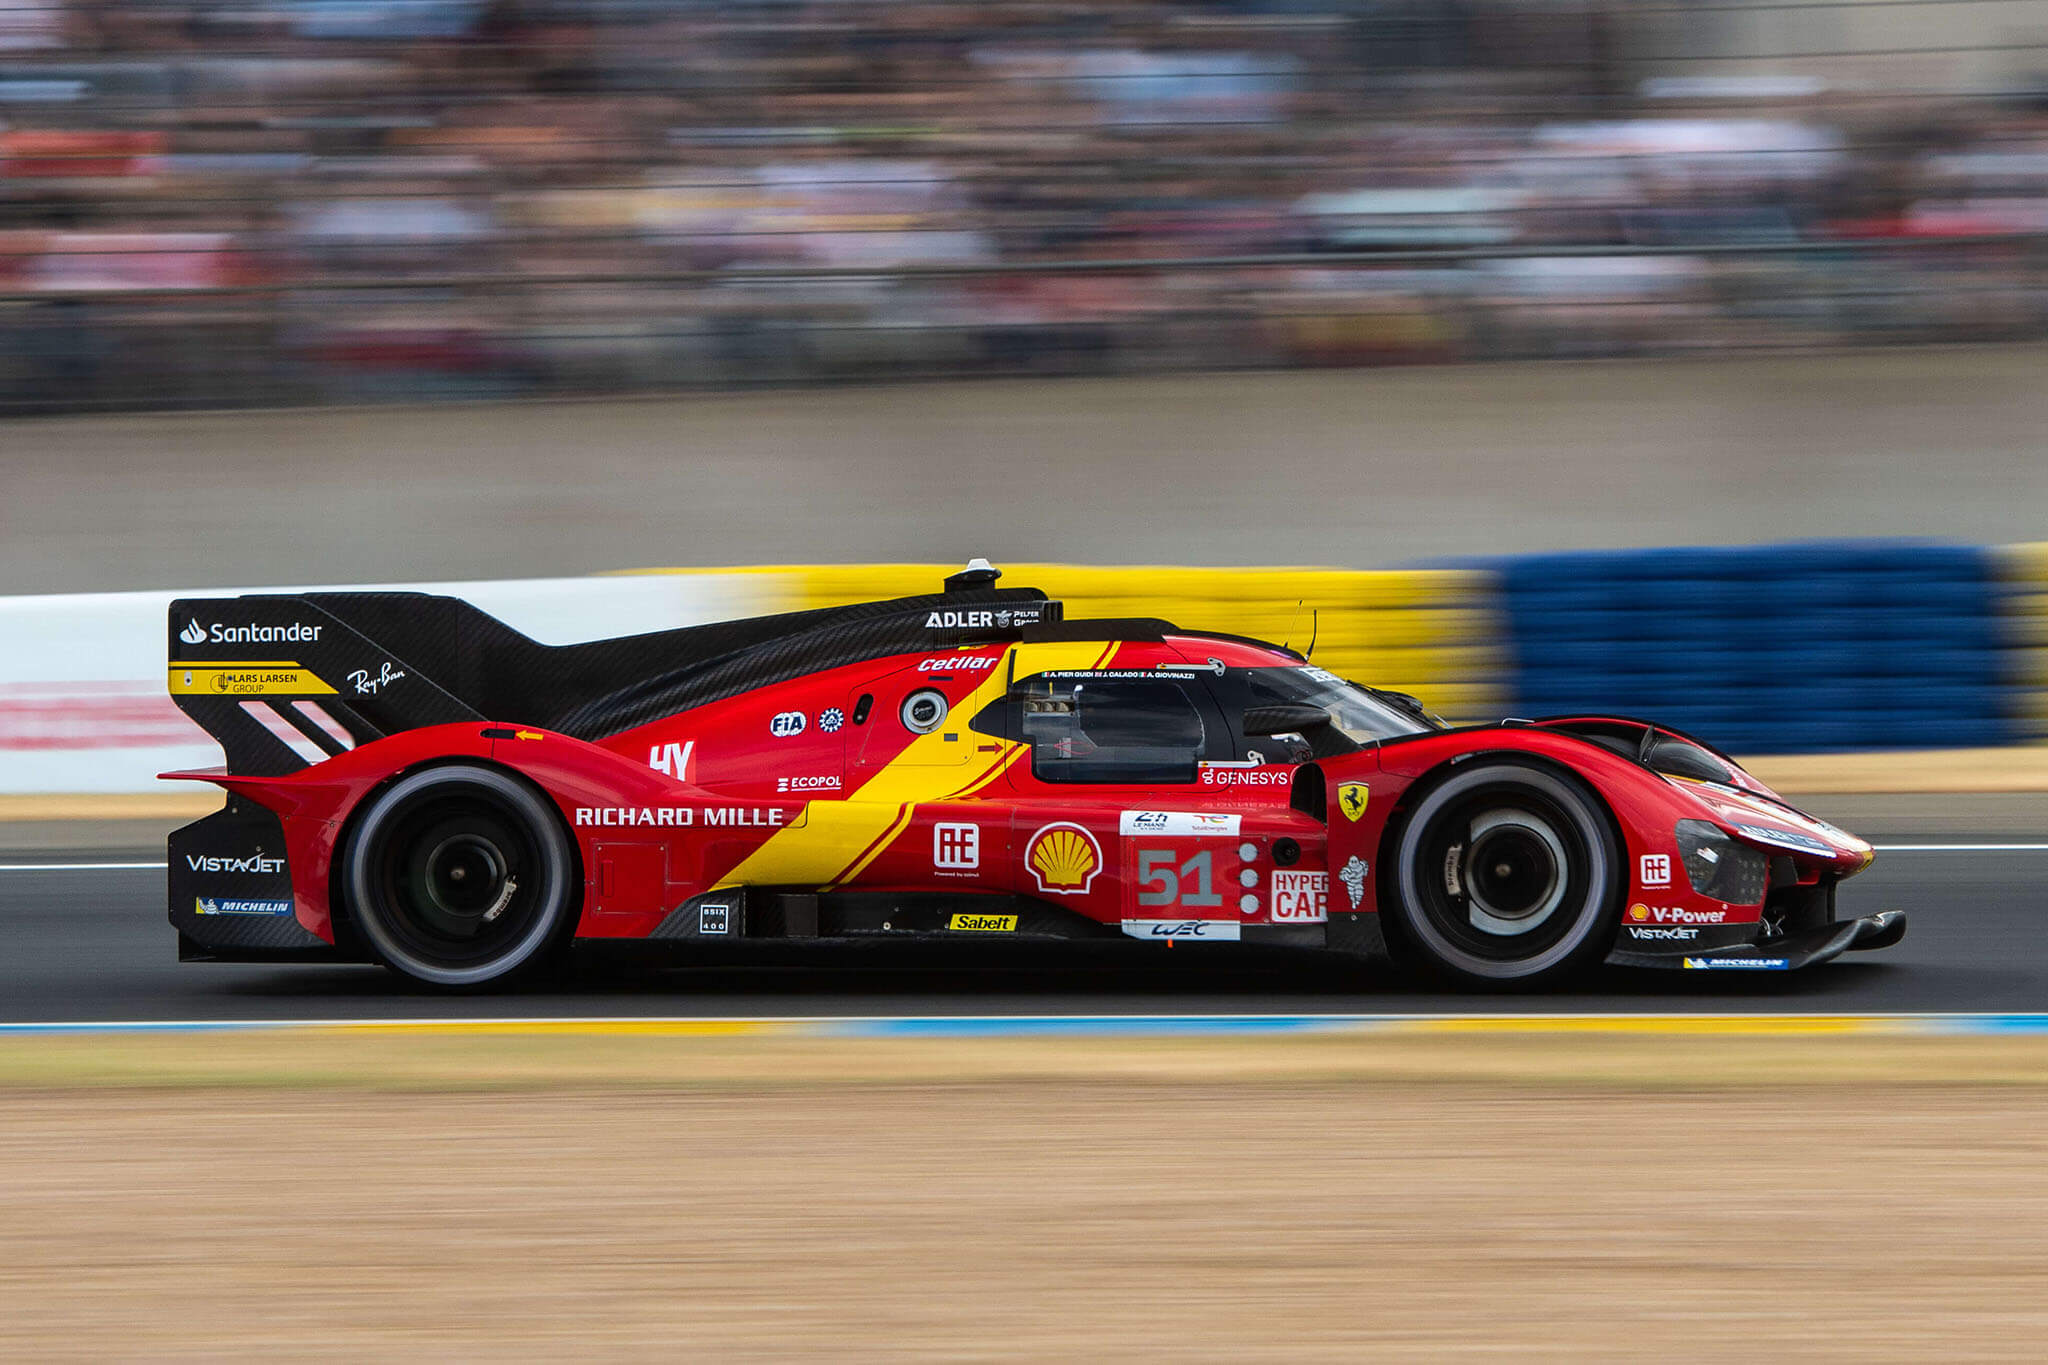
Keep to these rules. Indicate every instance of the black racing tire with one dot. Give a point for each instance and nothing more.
(461, 877)
(1506, 873)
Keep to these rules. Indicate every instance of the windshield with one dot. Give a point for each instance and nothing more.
(1359, 713)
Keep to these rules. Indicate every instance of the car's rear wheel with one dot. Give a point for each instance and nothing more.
(1506, 872)
(461, 876)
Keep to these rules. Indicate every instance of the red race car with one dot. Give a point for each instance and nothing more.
(412, 782)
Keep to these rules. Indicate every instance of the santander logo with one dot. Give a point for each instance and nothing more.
(193, 633)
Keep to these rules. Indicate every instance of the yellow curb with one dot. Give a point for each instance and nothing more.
(2018, 768)
(660, 1028)
(187, 804)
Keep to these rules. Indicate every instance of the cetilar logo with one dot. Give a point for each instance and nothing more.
(193, 633)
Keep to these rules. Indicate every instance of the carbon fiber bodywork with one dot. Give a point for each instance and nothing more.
(449, 662)
(230, 886)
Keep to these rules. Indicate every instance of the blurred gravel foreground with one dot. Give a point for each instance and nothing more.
(1345, 1198)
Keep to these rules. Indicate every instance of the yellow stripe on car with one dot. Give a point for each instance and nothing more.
(840, 838)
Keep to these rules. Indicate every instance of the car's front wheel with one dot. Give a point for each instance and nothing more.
(1506, 872)
(461, 876)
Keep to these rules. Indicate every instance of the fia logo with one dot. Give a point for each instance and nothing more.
(787, 725)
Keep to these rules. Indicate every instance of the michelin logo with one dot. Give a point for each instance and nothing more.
(222, 905)
(296, 633)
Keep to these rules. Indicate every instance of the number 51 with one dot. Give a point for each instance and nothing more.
(1160, 883)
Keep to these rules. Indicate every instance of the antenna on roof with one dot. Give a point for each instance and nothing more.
(978, 574)
(1315, 625)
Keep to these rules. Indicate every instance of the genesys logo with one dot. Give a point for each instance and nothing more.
(1674, 914)
(220, 633)
(1236, 775)
(253, 864)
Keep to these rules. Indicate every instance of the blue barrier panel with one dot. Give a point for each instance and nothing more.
(1808, 647)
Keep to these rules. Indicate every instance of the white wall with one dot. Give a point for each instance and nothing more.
(82, 700)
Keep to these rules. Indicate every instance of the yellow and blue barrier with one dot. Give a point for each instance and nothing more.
(1760, 650)
(1801, 648)
(1777, 648)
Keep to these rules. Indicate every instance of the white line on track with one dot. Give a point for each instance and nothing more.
(82, 867)
(1881, 848)
(1961, 848)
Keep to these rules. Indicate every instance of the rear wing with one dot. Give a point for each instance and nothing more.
(284, 681)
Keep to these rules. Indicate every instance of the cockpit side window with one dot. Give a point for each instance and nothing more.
(1104, 729)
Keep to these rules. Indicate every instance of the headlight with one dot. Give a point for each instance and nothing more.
(1719, 867)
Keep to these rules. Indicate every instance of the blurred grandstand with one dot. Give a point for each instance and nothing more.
(292, 201)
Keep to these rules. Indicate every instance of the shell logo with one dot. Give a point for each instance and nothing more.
(1064, 858)
(1639, 912)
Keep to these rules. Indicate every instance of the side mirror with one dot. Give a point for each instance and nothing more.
(1285, 718)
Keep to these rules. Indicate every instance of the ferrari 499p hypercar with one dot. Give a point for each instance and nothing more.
(412, 782)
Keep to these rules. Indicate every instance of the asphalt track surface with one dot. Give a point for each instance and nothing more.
(82, 943)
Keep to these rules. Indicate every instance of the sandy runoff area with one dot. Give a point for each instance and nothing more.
(1336, 1199)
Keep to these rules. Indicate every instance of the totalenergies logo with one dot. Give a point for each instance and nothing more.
(1064, 858)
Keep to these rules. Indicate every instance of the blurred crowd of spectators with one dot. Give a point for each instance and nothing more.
(307, 200)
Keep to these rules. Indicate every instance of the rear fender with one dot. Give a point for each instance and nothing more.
(313, 806)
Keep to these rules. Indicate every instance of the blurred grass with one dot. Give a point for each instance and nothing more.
(507, 1058)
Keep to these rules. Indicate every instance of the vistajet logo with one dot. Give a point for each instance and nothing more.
(255, 862)
(296, 633)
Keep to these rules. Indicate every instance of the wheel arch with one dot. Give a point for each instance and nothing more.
(1387, 885)
(341, 912)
